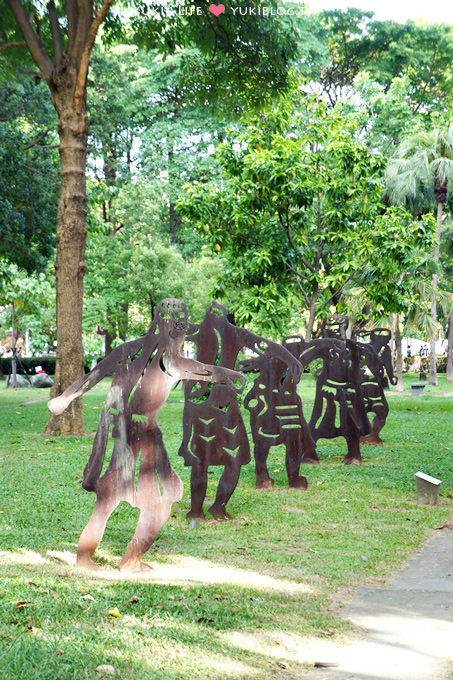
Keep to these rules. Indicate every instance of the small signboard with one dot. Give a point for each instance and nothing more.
(427, 488)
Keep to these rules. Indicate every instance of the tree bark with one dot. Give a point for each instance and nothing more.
(432, 344)
(67, 80)
(311, 314)
(109, 338)
(450, 345)
(70, 266)
(399, 355)
(123, 321)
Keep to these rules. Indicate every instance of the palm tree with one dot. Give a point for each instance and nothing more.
(447, 250)
(418, 173)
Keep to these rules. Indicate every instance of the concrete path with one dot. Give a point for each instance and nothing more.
(406, 627)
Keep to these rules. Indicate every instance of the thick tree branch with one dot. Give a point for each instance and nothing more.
(16, 43)
(71, 13)
(56, 34)
(84, 60)
(34, 42)
(37, 140)
(84, 19)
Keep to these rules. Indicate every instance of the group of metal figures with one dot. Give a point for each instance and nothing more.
(350, 385)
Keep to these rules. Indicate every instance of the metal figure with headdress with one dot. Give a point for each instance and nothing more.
(214, 429)
(339, 408)
(144, 371)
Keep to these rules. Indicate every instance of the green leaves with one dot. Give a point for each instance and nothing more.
(300, 219)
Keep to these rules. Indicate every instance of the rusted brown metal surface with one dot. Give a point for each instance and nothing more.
(377, 358)
(339, 407)
(276, 416)
(144, 371)
(214, 430)
(335, 326)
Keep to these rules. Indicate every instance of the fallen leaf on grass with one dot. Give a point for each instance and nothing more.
(323, 481)
(448, 525)
(217, 596)
(36, 631)
(114, 612)
(22, 604)
(88, 597)
(203, 619)
(133, 600)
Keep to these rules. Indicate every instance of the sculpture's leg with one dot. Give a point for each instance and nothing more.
(261, 452)
(376, 426)
(293, 458)
(353, 456)
(227, 484)
(106, 502)
(309, 454)
(198, 485)
(155, 507)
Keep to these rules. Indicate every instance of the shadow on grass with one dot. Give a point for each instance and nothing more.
(55, 623)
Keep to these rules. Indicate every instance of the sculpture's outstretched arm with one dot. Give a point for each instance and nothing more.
(261, 346)
(121, 353)
(190, 369)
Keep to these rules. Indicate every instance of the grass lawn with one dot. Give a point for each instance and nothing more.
(247, 598)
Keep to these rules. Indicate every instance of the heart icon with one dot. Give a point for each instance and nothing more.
(217, 9)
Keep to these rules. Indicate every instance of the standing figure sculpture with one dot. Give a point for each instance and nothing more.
(339, 408)
(377, 358)
(214, 430)
(276, 416)
(144, 372)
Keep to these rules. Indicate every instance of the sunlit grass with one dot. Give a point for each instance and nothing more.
(249, 598)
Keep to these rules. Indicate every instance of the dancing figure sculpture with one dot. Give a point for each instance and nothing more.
(276, 416)
(144, 372)
(377, 358)
(339, 408)
(214, 430)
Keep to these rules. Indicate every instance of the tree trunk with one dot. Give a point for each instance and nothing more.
(399, 355)
(109, 338)
(392, 339)
(432, 344)
(311, 315)
(123, 321)
(450, 346)
(71, 238)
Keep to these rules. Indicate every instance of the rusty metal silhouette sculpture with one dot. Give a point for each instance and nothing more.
(214, 430)
(377, 358)
(144, 372)
(335, 326)
(276, 416)
(339, 408)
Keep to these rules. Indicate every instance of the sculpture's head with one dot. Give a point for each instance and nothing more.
(172, 316)
(335, 326)
(217, 309)
(379, 337)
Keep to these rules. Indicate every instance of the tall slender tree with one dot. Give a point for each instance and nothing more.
(419, 171)
(248, 56)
